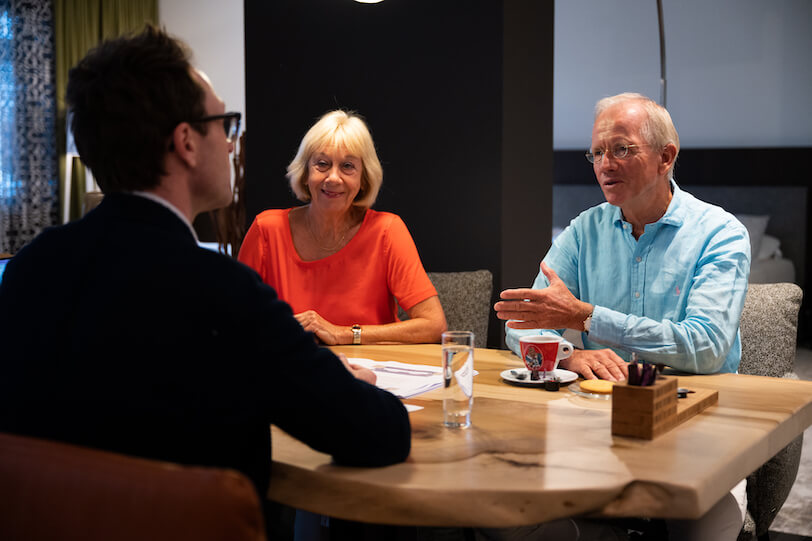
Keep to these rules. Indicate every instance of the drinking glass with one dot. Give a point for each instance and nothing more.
(458, 378)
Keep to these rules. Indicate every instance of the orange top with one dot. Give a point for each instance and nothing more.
(355, 284)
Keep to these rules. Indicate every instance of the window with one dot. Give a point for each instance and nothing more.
(28, 159)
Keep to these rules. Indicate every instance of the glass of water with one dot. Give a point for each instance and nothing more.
(458, 378)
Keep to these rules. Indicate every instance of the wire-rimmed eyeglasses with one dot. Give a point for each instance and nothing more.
(618, 151)
(231, 123)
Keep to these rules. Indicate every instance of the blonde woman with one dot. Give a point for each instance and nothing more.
(338, 263)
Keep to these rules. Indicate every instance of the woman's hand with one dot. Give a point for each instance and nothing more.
(325, 331)
(426, 324)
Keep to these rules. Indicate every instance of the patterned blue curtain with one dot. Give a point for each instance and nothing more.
(28, 159)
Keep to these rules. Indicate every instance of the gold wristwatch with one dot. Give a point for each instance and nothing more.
(356, 334)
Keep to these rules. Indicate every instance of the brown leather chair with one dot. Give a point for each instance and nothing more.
(51, 490)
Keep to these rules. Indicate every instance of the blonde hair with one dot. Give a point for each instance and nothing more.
(338, 128)
(658, 129)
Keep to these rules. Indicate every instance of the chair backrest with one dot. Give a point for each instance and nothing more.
(769, 329)
(466, 300)
(52, 490)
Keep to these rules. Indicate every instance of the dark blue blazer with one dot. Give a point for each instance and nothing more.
(118, 332)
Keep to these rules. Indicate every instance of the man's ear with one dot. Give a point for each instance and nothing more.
(184, 144)
(667, 157)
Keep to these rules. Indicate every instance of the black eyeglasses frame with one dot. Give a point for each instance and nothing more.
(231, 123)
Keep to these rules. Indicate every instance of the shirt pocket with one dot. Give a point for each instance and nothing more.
(668, 289)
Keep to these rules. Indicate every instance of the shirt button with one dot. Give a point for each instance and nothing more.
(638, 259)
(637, 294)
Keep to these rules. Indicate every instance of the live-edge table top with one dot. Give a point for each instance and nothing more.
(532, 456)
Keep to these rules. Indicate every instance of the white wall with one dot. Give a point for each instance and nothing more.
(739, 71)
(215, 32)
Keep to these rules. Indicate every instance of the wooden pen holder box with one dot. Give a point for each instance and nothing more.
(644, 412)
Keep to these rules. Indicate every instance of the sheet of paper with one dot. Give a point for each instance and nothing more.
(401, 379)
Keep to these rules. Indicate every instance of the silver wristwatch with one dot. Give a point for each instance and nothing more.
(588, 323)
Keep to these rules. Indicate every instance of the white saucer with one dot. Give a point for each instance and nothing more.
(564, 376)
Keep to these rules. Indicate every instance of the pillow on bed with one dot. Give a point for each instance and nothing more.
(770, 248)
(756, 226)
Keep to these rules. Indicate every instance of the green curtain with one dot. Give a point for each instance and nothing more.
(79, 26)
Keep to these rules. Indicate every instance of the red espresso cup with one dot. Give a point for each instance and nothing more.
(542, 353)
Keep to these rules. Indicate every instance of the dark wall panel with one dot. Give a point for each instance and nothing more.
(428, 77)
(424, 74)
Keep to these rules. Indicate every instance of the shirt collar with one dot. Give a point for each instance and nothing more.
(161, 201)
(673, 214)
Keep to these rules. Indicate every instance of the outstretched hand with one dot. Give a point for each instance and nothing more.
(553, 307)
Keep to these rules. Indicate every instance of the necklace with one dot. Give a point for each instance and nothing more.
(333, 248)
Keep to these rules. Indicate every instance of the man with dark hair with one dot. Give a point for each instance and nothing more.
(147, 88)
(120, 333)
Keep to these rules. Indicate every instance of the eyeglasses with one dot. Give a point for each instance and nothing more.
(231, 123)
(620, 152)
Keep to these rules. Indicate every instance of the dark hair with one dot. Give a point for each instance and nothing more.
(127, 96)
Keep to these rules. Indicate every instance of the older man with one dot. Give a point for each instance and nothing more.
(652, 271)
(120, 333)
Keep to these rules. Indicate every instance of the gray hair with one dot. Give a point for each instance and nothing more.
(658, 130)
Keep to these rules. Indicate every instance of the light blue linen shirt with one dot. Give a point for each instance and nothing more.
(673, 296)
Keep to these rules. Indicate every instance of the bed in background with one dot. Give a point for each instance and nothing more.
(768, 264)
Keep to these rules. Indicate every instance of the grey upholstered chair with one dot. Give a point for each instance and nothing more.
(769, 332)
(466, 300)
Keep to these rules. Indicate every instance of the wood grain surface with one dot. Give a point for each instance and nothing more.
(532, 455)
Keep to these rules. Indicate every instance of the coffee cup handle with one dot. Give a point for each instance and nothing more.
(564, 350)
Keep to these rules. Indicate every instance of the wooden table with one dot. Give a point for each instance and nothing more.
(532, 456)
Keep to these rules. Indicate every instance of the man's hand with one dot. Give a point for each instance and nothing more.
(325, 331)
(553, 307)
(364, 374)
(597, 363)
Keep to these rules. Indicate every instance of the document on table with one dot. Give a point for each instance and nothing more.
(401, 379)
